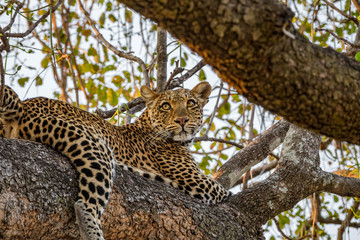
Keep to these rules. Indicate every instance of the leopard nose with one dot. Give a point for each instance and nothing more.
(182, 121)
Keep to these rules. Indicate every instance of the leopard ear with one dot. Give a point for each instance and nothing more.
(148, 95)
(203, 91)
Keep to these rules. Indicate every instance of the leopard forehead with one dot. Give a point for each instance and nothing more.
(176, 96)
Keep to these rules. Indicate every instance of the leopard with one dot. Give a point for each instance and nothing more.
(156, 145)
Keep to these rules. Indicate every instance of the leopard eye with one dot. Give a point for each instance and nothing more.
(191, 103)
(165, 106)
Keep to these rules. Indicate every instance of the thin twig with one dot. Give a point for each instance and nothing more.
(212, 139)
(177, 82)
(211, 152)
(313, 19)
(121, 54)
(34, 25)
(315, 208)
(72, 56)
(258, 171)
(336, 36)
(2, 76)
(342, 13)
(74, 79)
(161, 60)
(251, 136)
(5, 46)
(215, 109)
(12, 20)
(347, 220)
(280, 231)
(133, 103)
(176, 71)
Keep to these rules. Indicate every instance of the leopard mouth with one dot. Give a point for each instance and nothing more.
(182, 136)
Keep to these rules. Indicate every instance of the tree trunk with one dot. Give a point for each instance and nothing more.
(253, 45)
(38, 188)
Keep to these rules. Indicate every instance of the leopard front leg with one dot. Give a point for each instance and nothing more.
(93, 159)
(202, 187)
(95, 162)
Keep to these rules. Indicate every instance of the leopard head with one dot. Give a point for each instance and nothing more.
(177, 114)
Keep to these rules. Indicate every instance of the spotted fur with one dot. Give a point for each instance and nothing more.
(155, 146)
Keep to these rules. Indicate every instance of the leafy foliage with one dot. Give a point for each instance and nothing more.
(69, 55)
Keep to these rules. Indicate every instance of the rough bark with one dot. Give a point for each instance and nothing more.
(230, 173)
(253, 46)
(38, 188)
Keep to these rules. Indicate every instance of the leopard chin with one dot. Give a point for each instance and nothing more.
(183, 137)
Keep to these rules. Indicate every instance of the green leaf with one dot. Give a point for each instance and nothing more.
(22, 81)
(197, 146)
(38, 81)
(204, 163)
(117, 80)
(112, 97)
(357, 56)
(128, 15)
(108, 6)
(45, 62)
(223, 156)
(112, 18)
(202, 75)
(127, 75)
(102, 20)
(92, 51)
(182, 62)
(108, 68)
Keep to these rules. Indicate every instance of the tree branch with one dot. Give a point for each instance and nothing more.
(2, 79)
(35, 24)
(294, 77)
(229, 174)
(258, 171)
(177, 82)
(38, 187)
(343, 186)
(161, 60)
(176, 71)
(342, 13)
(293, 180)
(123, 108)
(346, 222)
(12, 20)
(212, 139)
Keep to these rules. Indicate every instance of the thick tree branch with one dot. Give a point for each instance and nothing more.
(245, 43)
(294, 179)
(229, 174)
(38, 188)
(343, 186)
